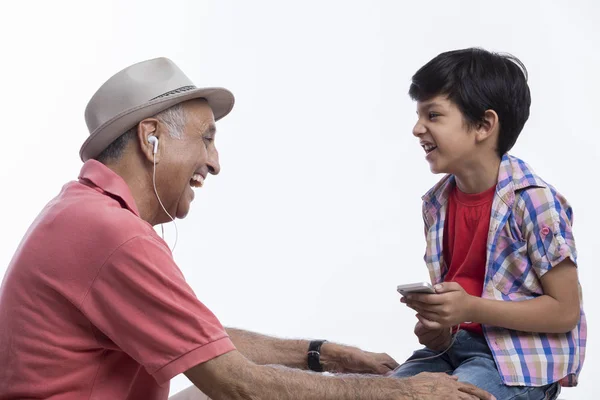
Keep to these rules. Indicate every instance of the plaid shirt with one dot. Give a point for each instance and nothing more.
(530, 232)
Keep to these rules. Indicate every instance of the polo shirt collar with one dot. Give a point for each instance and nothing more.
(109, 182)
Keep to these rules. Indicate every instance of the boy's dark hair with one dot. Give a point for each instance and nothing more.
(477, 80)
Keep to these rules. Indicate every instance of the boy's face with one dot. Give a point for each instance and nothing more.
(443, 133)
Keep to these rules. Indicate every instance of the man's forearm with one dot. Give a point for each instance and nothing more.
(232, 376)
(542, 314)
(263, 350)
(278, 383)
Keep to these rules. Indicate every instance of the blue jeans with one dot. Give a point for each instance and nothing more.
(471, 360)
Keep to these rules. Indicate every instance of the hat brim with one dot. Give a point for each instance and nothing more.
(220, 101)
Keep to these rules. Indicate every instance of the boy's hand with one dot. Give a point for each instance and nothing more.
(435, 339)
(450, 306)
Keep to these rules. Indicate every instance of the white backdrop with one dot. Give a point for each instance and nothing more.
(315, 217)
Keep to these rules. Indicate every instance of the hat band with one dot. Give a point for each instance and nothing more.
(176, 91)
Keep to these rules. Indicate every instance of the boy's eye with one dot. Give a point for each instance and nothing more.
(433, 115)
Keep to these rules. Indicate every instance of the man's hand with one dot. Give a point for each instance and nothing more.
(434, 339)
(450, 306)
(347, 359)
(428, 386)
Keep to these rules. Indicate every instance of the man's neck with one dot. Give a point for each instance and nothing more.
(139, 180)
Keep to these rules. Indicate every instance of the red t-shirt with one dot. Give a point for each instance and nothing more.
(93, 306)
(465, 239)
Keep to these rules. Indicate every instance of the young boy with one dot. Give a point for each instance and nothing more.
(500, 248)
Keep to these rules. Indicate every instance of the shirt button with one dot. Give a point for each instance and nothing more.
(545, 230)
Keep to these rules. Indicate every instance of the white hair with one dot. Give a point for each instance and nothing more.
(174, 118)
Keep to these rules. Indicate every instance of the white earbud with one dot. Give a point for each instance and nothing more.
(154, 141)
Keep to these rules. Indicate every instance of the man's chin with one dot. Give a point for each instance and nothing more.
(183, 209)
(181, 214)
(184, 205)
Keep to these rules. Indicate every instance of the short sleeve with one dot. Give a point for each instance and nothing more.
(546, 225)
(142, 303)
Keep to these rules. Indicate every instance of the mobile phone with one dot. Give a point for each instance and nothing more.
(420, 287)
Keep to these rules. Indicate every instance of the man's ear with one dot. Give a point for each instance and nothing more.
(148, 127)
(488, 127)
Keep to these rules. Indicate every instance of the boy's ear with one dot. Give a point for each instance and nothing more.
(488, 126)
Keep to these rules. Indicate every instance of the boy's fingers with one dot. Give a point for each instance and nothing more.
(447, 287)
(428, 323)
(425, 298)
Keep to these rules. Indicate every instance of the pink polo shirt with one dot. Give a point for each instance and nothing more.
(93, 306)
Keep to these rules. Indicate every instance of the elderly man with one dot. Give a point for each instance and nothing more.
(94, 307)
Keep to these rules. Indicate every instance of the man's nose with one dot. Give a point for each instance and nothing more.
(213, 162)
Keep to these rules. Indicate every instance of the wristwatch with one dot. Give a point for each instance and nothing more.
(314, 355)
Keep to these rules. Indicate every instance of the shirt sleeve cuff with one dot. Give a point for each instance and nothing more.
(192, 358)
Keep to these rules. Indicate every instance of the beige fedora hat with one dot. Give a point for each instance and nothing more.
(138, 92)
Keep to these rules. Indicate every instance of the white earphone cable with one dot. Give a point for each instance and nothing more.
(161, 204)
(439, 354)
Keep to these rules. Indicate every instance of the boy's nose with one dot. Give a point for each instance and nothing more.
(418, 129)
